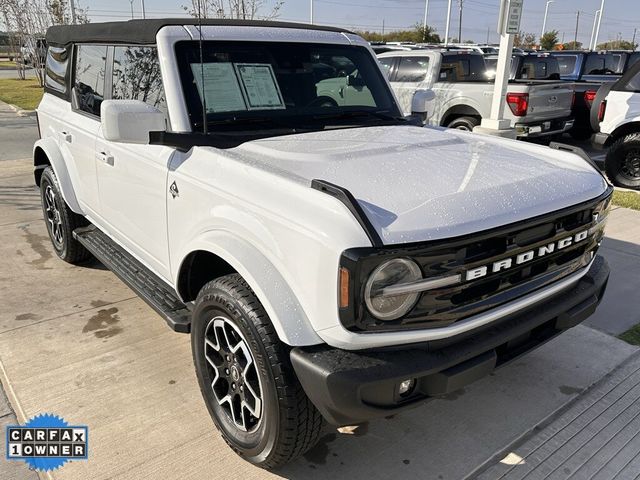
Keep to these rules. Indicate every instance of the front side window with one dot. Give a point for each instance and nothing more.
(254, 84)
(412, 69)
(136, 76)
(89, 77)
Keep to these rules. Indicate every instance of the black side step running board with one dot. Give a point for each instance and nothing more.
(152, 289)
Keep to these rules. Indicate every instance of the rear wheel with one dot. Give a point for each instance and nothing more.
(61, 221)
(246, 377)
(464, 123)
(623, 161)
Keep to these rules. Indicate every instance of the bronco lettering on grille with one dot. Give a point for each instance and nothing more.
(525, 257)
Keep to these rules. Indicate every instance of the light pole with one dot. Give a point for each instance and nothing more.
(424, 21)
(142, 4)
(460, 21)
(131, 3)
(311, 11)
(544, 22)
(593, 29)
(446, 31)
(595, 39)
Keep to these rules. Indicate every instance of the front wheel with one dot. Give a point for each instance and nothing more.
(246, 377)
(623, 162)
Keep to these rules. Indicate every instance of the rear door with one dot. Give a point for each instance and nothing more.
(411, 74)
(132, 179)
(82, 122)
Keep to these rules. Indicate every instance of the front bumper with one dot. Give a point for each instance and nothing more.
(350, 387)
(545, 128)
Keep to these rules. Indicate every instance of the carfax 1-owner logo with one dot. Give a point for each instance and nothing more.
(46, 442)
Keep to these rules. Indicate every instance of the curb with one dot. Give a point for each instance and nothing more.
(22, 113)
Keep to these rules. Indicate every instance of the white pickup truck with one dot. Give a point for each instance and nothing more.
(464, 92)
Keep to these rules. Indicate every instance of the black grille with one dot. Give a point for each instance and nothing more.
(444, 306)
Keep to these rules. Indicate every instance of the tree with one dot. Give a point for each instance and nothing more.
(572, 46)
(240, 9)
(415, 35)
(28, 20)
(549, 40)
(524, 40)
(60, 11)
(617, 45)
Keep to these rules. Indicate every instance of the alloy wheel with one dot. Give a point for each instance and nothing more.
(236, 383)
(52, 212)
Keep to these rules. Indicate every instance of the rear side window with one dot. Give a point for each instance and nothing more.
(567, 64)
(598, 64)
(412, 69)
(633, 58)
(89, 77)
(463, 68)
(543, 68)
(56, 67)
(633, 85)
(136, 76)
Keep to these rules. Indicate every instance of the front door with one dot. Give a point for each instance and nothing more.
(132, 179)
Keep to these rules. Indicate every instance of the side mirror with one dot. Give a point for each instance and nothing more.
(130, 121)
(355, 81)
(420, 101)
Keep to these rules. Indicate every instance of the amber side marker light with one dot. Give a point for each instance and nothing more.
(344, 287)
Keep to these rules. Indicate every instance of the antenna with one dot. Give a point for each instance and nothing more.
(205, 129)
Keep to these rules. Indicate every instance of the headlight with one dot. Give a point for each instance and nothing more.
(392, 272)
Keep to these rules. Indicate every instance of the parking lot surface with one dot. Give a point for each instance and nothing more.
(76, 342)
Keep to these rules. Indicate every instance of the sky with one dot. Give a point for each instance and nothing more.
(479, 17)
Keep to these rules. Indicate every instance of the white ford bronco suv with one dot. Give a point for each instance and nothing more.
(615, 119)
(329, 259)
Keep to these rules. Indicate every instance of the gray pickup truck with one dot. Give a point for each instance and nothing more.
(464, 92)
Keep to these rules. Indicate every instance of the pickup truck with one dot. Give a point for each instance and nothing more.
(330, 261)
(587, 71)
(464, 92)
(527, 66)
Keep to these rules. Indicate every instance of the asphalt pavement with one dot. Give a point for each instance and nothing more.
(76, 342)
(17, 134)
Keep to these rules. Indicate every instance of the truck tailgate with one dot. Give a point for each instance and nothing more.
(549, 100)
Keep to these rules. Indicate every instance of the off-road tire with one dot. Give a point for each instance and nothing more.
(65, 246)
(622, 158)
(464, 123)
(289, 424)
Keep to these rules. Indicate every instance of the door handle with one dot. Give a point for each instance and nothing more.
(105, 158)
(66, 136)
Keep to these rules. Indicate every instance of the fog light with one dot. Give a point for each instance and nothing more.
(406, 386)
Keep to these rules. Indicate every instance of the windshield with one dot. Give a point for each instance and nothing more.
(262, 85)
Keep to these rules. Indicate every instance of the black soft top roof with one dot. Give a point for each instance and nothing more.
(144, 31)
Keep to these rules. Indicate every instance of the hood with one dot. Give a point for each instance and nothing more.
(418, 184)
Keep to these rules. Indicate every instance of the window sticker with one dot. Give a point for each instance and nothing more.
(259, 86)
(222, 92)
